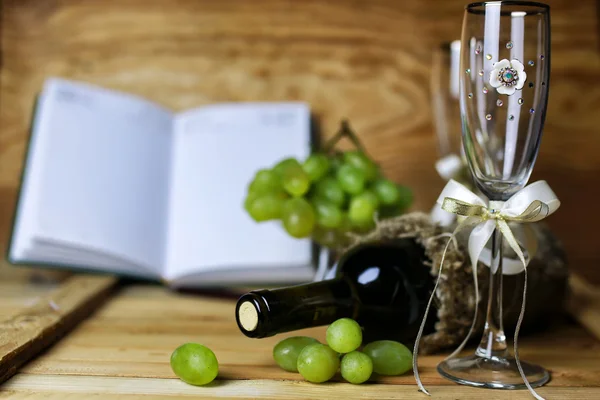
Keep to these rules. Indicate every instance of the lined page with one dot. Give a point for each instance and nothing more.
(218, 149)
(105, 158)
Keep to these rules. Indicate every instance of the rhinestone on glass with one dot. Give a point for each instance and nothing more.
(480, 72)
(520, 101)
(509, 45)
(470, 95)
(508, 76)
(478, 50)
(488, 56)
(484, 90)
(468, 70)
(531, 84)
(531, 111)
(541, 57)
(499, 103)
(531, 63)
(488, 117)
(511, 117)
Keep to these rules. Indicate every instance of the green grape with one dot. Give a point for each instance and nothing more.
(328, 215)
(295, 181)
(316, 166)
(318, 363)
(344, 335)
(265, 181)
(389, 357)
(387, 192)
(362, 209)
(284, 164)
(330, 190)
(298, 217)
(360, 161)
(250, 197)
(326, 237)
(351, 179)
(356, 367)
(266, 207)
(406, 197)
(194, 364)
(287, 351)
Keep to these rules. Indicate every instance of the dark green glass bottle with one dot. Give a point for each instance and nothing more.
(384, 286)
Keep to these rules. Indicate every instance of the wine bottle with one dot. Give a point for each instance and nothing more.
(384, 286)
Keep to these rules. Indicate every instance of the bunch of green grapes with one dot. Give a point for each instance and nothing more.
(319, 363)
(325, 196)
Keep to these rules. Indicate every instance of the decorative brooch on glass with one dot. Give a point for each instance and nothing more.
(508, 76)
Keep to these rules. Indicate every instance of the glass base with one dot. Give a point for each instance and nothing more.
(493, 373)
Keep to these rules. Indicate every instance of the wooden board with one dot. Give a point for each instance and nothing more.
(33, 328)
(584, 304)
(366, 60)
(123, 351)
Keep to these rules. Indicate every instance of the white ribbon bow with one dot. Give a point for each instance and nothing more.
(532, 203)
(449, 167)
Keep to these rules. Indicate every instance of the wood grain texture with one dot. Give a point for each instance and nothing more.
(584, 304)
(33, 328)
(123, 351)
(366, 60)
(68, 387)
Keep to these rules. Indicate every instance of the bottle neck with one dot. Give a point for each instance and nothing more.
(264, 313)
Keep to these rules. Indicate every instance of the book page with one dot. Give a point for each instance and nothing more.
(105, 160)
(217, 151)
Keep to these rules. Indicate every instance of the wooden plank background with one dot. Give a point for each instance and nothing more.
(366, 60)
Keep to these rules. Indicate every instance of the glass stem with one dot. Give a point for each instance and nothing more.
(493, 342)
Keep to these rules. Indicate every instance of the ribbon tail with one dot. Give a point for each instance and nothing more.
(510, 238)
(422, 327)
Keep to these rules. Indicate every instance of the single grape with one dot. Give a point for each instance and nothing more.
(351, 179)
(250, 197)
(318, 363)
(265, 181)
(356, 367)
(326, 237)
(360, 161)
(389, 357)
(286, 352)
(328, 215)
(316, 166)
(387, 192)
(362, 209)
(298, 217)
(194, 364)
(406, 197)
(266, 207)
(295, 181)
(284, 164)
(330, 190)
(344, 335)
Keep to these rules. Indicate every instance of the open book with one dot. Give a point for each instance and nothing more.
(116, 183)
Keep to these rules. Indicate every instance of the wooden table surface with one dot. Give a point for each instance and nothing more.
(122, 352)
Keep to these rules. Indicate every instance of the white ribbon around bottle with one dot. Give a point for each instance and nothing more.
(532, 203)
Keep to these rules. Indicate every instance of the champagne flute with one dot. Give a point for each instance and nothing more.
(505, 64)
